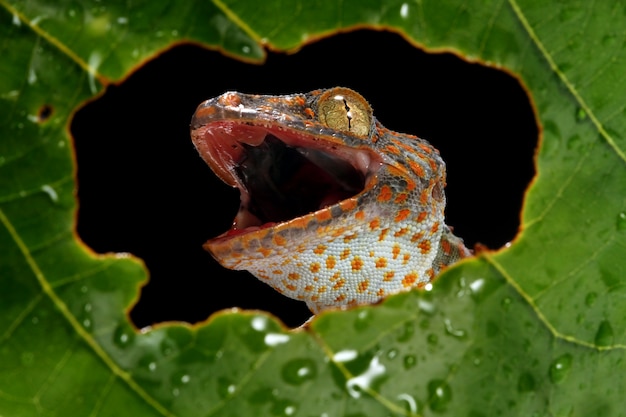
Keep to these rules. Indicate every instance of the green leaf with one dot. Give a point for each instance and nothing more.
(538, 328)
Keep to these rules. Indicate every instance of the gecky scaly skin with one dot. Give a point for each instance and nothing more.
(336, 210)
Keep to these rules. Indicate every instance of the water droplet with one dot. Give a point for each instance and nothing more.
(51, 192)
(246, 49)
(35, 320)
(581, 115)
(439, 395)
(363, 320)
(452, 331)
(298, 371)
(283, 407)
(432, 339)
(364, 381)
(259, 323)
(83, 289)
(526, 382)
(506, 303)
(426, 307)
(345, 355)
(411, 404)
(604, 336)
(574, 143)
(621, 221)
(175, 392)
(123, 336)
(225, 387)
(406, 332)
(409, 361)
(274, 339)
(590, 299)
(404, 10)
(560, 367)
(167, 347)
(392, 353)
(152, 366)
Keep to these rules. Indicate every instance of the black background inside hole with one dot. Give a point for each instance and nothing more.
(143, 189)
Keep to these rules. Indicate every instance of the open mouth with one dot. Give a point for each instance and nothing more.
(282, 174)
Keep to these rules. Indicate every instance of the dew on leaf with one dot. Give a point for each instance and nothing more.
(259, 323)
(409, 361)
(459, 333)
(225, 387)
(526, 382)
(621, 221)
(122, 337)
(346, 355)
(392, 353)
(406, 332)
(559, 368)
(432, 339)
(604, 335)
(274, 339)
(363, 320)
(409, 403)
(364, 381)
(298, 371)
(506, 303)
(439, 395)
(590, 299)
(51, 192)
(581, 114)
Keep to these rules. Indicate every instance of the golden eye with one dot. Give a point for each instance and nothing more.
(345, 110)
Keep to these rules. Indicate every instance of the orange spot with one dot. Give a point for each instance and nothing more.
(383, 234)
(309, 112)
(401, 232)
(340, 298)
(279, 240)
(431, 274)
(381, 263)
(401, 198)
(331, 262)
(349, 204)
(293, 276)
(315, 298)
(410, 185)
(385, 194)
(402, 215)
(417, 236)
(381, 292)
(424, 197)
(435, 227)
(323, 215)
(277, 272)
(348, 238)
(319, 249)
(446, 247)
(405, 258)
(359, 215)
(265, 252)
(321, 289)
(344, 254)
(308, 288)
(388, 276)
(409, 279)
(374, 224)
(362, 287)
(395, 251)
(417, 169)
(420, 217)
(291, 287)
(338, 231)
(315, 267)
(356, 263)
(335, 276)
(339, 284)
(392, 149)
(424, 246)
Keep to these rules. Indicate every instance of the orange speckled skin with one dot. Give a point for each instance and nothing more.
(387, 238)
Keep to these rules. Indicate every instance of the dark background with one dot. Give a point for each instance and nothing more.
(143, 188)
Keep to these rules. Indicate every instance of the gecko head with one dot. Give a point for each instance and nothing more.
(309, 168)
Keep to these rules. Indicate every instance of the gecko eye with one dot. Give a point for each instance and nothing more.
(345, 110)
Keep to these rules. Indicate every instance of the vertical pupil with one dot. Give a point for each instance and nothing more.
(348, 113)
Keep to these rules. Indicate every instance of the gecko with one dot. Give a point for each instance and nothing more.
(335, 210)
